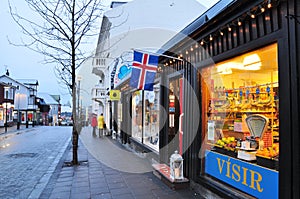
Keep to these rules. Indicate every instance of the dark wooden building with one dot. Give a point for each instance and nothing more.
(238, 60)
(226, 89)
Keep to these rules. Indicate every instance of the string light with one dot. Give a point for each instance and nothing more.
(221, 33)
(269, 4)
(229, 28)
(239, 21)
(251, 15)
(187, 52)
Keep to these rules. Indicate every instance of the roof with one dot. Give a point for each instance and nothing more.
(47, 98)
(30, 82)
(56, 97)
(17, 82)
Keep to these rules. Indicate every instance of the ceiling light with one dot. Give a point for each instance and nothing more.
(252, 62)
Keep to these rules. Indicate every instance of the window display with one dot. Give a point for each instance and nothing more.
(137, 115)
(240, 110)
(145, 117)
(151, 121)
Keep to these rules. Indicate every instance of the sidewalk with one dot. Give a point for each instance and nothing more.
(12, 130)
(111, 172)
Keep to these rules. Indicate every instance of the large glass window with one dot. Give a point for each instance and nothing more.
(137, 115)
(145, 117)
(151, 121)
(240, 122)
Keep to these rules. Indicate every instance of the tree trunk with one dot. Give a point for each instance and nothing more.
(75, 146)
(74, 89)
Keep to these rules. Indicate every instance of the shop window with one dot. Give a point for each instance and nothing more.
(240, 126)
(151, 121)
(137, 115)
(145, 117)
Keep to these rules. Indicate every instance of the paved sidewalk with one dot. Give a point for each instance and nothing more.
(97, 177)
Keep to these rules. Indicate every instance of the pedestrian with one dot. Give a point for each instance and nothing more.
(101, 124)
(94, 124)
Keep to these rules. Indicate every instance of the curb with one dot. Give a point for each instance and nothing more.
(43, 182)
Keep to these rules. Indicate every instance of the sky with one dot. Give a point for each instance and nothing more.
(23, 63)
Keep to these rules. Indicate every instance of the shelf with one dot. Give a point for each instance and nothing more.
(216, 112)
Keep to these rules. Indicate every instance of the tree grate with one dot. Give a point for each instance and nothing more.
(22, 155)
(80, 163)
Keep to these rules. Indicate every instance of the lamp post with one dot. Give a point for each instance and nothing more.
(18, 114)
(5, 117)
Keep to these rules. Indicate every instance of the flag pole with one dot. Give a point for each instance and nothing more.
(157, 54)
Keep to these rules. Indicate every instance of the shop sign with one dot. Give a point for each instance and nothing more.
(113, 73)
(114, 95)
(253, 179)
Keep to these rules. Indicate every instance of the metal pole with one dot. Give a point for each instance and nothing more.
(5, 117)
(18, 121)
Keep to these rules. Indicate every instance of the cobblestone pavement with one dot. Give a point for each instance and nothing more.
(34, 165)
(104, 173)
(28, 159)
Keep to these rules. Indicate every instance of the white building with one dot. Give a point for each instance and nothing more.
(23, 104)
(139, 24)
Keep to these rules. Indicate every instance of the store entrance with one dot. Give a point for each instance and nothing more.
(174, 114)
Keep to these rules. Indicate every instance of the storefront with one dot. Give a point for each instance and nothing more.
(136, 117)
(240, 111)
(240, 63)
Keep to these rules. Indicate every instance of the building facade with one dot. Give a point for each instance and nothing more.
(23, 108)
(228, 94)
(239, 79)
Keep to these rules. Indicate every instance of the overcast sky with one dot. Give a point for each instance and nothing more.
(23, 63)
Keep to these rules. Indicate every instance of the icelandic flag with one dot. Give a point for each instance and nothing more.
(143, 72)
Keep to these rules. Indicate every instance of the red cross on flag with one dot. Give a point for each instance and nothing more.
(143, 72)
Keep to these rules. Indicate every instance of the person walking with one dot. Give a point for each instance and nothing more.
(101, 124)
(94, 124)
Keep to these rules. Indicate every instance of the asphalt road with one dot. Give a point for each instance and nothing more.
(29, 158)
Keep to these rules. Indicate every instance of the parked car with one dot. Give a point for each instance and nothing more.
(66, 122)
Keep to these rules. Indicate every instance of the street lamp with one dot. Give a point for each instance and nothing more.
(7, 106)
(5, 117)
(18, 114)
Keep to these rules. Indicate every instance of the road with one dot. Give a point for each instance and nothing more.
(29, 158)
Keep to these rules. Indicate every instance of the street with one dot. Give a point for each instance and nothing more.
(29, 158)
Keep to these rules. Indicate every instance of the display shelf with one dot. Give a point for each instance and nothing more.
(271, 163)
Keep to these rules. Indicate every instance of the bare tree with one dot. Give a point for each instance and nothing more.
(59, 31)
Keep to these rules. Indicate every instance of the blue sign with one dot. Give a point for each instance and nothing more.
(172, 109)
(253, 179)
(124, 71)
